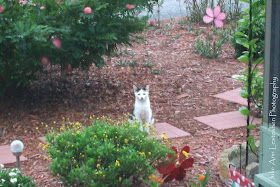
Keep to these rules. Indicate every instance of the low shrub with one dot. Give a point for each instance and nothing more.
(13, 178)
(103, 154)
(208, 48)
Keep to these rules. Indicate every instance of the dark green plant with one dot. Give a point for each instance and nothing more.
(82, 36)
(103, 154)
(149, 64)
(242, 31)
(256, 12)
(13, 178)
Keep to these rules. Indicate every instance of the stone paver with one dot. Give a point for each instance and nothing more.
(7, 157)
(160, 128)
(42, 139)
(226, 120)
(169, 130)
(233, 96)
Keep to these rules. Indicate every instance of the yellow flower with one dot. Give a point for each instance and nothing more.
(117, 163)
(116, 137)
(142, 153)
(117, 150)
(132, 139)
(103, 176)
(149, 153)
(133, 125)
(97, 165)
(120, 179)
(95, 136)
(125, 140)
(37, 128)
(185, 153)
(164, 137)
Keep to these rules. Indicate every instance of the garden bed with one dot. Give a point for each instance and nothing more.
(182, 85)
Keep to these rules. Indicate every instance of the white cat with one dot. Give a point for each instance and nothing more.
(142, 111)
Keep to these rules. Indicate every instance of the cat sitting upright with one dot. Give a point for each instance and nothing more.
(142, 111)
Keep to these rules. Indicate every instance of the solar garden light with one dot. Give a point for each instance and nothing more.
(17, 149)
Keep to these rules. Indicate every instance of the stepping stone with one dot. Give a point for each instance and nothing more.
(169, 130)
(232, 96)
(7, 157)
(160, 128)
(226, 120)
(42, 139)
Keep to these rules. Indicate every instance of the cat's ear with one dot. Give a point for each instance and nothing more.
(147, 87)
(135, 88)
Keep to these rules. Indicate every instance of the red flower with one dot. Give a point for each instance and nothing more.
(69, 68)
(2, 9)
(153, 23)
(129, 6)
(45, 61)
(87, 10)
(56, 42)
(171, 170)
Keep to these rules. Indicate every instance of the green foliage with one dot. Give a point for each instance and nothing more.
(13, 178)
(149, 64)
(208, 49)
(240, 36)
(157, 71)
(201, 181)
(103, 154)
(126, 63)
(197, 9)
(27, 32)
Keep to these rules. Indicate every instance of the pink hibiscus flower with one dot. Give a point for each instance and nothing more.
(56, 42)
(2, 9)
(215, 15)
(129, 6)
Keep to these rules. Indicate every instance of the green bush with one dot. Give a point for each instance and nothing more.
(242, 31)
(208, 49)
(62, 32)
(103, 155)
(13, 178)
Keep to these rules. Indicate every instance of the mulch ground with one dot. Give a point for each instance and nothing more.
(182, 84)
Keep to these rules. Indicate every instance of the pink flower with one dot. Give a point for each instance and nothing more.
(2, 9)
(129, 6)
(42, 7)
(153, 23)
(69, 68)
(23, 2)
(215, 15)
(45, 61)
(56, 42)
(87, 10)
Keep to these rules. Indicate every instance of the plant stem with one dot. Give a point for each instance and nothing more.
(249, 81)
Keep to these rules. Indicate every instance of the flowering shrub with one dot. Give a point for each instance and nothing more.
(176, 170)
(65, 32)
(13, 178)
(104, 154)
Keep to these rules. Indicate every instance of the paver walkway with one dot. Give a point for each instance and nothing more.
(226, 120)
(7, 157)
(233, 96)
(160, 128)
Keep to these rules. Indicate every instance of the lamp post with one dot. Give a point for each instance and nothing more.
(17, 149)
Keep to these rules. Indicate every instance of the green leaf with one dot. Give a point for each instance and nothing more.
(242, 41)
(253, 41)
(244, 94)
(243, 21)
(251, 127)
(244, 111)
(250, 138)
(259, 60)
(245, 1)
(240, 34)
(243, 58)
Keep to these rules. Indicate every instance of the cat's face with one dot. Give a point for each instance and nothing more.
(141, 94)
